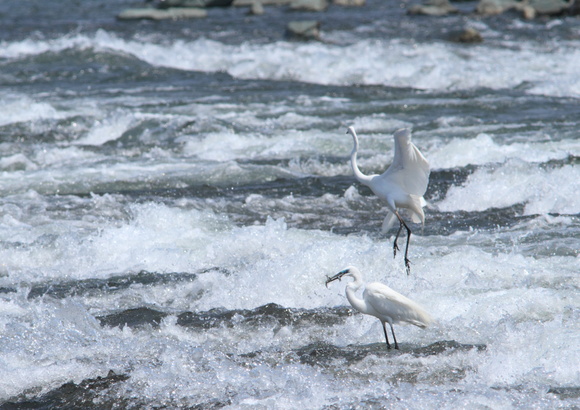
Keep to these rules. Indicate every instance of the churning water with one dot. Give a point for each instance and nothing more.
(173, 195)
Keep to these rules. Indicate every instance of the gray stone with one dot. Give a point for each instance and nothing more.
(349, 3)
(309, 5)
(493, 7)
(434, 8)
(574, 9)
(529, 8)
(256, 9)
(550, 6)
(194, 3)
(173, 13)
(248, 3)
(304, 30)
(469, 35)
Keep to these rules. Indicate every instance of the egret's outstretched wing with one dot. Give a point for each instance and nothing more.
(399, 308)
(409, 169)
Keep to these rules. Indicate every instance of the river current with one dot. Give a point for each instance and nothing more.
(174, 194)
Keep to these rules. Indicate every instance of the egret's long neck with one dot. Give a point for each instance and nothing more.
(362, 178)
(356, 302)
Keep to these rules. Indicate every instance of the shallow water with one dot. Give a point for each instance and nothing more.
(173, 195)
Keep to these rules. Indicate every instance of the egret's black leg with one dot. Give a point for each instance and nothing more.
(386, 337)
(407, 261)
(395, 246)
(394, 338)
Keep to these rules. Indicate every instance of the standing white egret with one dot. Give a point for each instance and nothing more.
(402, 185)
(383, 303)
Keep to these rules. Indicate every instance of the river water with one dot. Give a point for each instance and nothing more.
(173, 195)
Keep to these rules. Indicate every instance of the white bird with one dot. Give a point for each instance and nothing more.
(383, 303)
(402, 185)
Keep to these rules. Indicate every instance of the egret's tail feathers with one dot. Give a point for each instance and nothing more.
(423, 319)
(416, 208)
(388, 222)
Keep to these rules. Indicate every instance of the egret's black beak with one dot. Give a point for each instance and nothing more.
(338, 276)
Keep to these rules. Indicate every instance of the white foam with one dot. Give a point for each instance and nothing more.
(68, 176)
(515, 182)
(483, 149)
(19, 108)
(108, 129)
(396, 63)
(17, 162)
(501, 299)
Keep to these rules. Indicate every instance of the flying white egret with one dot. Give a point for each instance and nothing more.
(402, 185)
(383, 303)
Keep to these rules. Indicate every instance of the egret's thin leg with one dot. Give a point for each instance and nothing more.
(393, 332)
(395, 246)
(407, 261)
(386, 337)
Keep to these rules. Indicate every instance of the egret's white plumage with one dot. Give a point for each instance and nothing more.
(402, 185)
(383, 303)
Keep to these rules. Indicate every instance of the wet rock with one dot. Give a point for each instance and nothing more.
(164, 4)
(271, 315)
(528, 8)
(574, 9)
(61, 290)
(434, 8)
(173, 13)
(309, 5)
(527, 11)
(469, 35)
(550, 7)
(257, 8)
(349, 3)
(248, 3)
(133, 318)
(303, 30)
(8, 290)
(76, 396)
(565, 392)
(446, 347)
(322, 354)
(493, 7)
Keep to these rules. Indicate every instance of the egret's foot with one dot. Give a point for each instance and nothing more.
(397, 346)
(395, 249)
(408, 266)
